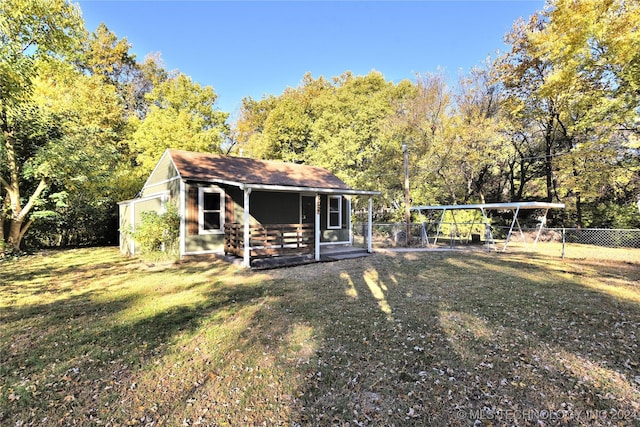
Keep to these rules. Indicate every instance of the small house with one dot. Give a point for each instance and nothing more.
(251, 209)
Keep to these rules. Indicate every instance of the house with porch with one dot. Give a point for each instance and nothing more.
(256, 210)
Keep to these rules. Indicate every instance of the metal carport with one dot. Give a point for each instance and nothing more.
(514, 207)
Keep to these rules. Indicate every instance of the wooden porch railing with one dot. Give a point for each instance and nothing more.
(270, 240)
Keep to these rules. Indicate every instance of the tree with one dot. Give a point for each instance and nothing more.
(595, 51)
(110, 58)
(31, 32)
(82, 163)
(480, 136)
(181, 115)
(572, 93)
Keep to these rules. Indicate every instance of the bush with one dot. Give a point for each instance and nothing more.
(158, 232)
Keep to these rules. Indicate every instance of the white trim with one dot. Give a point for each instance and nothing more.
(246, 254)
(315, 190)
(349, 224)
(165, 181)
(203, 252)
(166, 153)
(132, 225)
(337, 242)
(145, 198)
(329, 212)
(183, 218)
(317, 228)
(201, 211)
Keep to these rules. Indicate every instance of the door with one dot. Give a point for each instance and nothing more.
(308, 209)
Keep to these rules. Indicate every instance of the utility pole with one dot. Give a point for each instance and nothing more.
(407, 201)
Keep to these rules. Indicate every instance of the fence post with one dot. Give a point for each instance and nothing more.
(563, 239)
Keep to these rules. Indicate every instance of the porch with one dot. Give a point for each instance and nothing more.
(277, 245)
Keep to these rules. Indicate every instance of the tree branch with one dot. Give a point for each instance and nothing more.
(32, 200)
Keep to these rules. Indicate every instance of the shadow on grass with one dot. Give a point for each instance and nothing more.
(449, 340)
(72, 359)
(414, 339)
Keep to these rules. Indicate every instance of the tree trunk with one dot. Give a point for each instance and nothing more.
(578, 211)
(17, 227)
(14, 239)
(3, 216)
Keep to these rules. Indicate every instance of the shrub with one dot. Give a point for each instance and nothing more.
(158, 232)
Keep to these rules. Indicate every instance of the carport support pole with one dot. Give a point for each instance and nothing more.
(513, 223)
(407, 199)
(247, 233)
(370, 226)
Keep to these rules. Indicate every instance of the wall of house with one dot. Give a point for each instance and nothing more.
(333, 235)
(195, 241)
(163, 177)
(130, 215)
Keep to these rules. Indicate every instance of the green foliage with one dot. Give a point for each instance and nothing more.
(158, 232)
(181, 115)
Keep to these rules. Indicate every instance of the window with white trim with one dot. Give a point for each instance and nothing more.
(210, 210)
(334, 214)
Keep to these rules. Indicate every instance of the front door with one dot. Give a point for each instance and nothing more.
(308, 210)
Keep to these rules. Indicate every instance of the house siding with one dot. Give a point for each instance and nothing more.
(195, 242)
(162, 176)
(130, 214)
(340, 235)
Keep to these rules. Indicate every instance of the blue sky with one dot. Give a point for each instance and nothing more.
(256, 48)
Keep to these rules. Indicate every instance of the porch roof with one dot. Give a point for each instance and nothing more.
(257, 174)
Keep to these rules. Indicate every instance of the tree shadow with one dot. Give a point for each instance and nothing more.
(413, 339)
(461, 340)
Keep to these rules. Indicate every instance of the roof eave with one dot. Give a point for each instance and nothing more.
(290, 188)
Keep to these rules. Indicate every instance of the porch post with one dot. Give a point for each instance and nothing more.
(349, 225)
(369, 226)
(247, 235)
(317, 233)
(183, 216)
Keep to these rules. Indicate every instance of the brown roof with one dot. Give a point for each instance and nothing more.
(211, 168)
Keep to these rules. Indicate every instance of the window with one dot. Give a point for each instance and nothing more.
(335, 212)
(211, 210)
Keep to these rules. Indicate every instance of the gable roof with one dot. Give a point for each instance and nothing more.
(254, 173)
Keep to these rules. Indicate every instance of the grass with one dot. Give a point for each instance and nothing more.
(417, 338)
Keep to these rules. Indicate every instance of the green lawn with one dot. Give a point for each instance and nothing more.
(419, 338)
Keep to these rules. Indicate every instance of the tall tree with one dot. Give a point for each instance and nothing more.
(31, 32)
(80, 163)
(523, 72)
(182, 114)
(573, 93)
(480, 135)
(595, 51)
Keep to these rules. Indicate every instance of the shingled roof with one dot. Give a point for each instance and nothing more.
(193, 166)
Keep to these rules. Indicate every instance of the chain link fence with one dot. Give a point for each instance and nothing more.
(576, 242)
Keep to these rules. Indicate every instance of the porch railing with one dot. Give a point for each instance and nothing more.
(270, 240)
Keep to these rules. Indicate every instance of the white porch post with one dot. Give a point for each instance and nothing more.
(370, 226)
(317, 233)
(247, 235)
(349, 225)
(183, 216)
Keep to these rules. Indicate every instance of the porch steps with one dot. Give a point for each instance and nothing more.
(337, 254)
